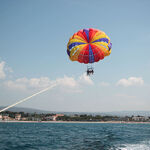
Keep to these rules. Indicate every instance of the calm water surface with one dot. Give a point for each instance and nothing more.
(74, 136)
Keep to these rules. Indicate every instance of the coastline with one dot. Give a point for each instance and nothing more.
(113, 122)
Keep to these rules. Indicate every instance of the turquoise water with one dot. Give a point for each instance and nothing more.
(74, 136)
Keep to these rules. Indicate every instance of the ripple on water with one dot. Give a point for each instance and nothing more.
(74, 136)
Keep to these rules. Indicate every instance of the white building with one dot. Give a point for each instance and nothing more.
(140, 118)
(6, 117)
(1, 117)
(57, 115)
(18, 117)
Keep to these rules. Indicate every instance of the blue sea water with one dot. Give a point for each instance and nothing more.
(74, 136)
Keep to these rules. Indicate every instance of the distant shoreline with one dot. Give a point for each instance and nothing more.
(121, 122)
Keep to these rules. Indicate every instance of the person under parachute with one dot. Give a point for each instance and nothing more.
(90, 71)
(89, 46)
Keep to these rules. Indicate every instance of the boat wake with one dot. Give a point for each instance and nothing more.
(145, 145)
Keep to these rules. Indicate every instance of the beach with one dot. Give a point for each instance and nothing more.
(122, 122)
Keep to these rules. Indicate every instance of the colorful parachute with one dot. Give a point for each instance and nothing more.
(89, 46)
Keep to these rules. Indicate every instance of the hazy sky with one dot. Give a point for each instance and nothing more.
(33, 39)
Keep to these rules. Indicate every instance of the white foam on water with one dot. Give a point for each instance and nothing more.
(140, 146)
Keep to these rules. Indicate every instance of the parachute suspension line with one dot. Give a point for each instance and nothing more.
(89, 46)
(25, 99)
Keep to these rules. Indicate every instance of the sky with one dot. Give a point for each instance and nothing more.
(33, 42)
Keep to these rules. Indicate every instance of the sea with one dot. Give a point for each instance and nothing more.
(74, 136)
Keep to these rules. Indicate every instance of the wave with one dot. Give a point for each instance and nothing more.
(145, 145)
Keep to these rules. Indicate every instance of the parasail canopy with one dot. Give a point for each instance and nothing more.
(89, 46)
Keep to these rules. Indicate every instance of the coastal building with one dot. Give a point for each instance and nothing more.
(54, 118)
(49, 118)
(140, 118)
(18, 117)
(1, 117)
(6, 117)
(24, 119)
(35, 119)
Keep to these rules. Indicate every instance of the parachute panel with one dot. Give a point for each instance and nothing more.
(89, 46)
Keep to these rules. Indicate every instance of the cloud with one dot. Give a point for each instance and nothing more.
(2, 73)
(104, 84)
(25, 83)
(84, 79)
(44, 82)
(8, 69)
(67, 81)
(132, 81)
